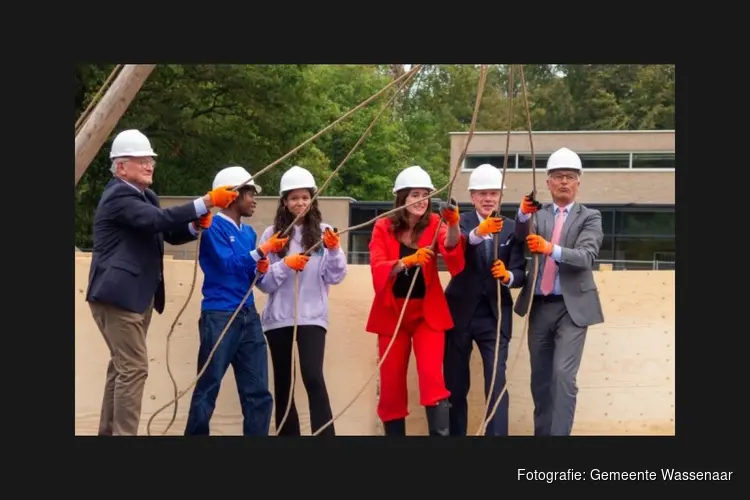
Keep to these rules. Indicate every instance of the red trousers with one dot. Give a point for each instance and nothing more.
(428, 351)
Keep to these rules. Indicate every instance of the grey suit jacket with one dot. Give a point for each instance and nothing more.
(580, 241)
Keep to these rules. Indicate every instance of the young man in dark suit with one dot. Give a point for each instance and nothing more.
(126, 280)
(472, 298)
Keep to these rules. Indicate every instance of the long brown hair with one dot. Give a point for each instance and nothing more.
(400, 219)
(311, 232)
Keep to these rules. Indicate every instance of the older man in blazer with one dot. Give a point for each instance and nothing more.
(472, 299)
(126, 278)
(565, 299)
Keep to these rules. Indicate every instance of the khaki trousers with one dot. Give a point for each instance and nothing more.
(125, 335)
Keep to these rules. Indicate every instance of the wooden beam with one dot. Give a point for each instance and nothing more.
(107, 113)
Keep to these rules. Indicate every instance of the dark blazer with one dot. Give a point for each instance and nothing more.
(476, 280)
(130, 228)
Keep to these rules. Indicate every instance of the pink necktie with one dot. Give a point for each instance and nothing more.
(550, 266)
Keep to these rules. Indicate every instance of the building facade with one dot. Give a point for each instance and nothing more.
(628, 175)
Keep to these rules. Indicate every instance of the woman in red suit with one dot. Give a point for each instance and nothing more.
(399, 243)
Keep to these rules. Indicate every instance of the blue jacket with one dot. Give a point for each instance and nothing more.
(130, 227)
(476, 282)
(228, 260)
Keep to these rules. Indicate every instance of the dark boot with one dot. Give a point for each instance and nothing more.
(395, 427)
(438, 420)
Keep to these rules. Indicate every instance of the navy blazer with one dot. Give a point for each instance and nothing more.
(476, 280)
(130, 228)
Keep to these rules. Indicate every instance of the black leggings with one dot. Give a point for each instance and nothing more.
(311, 343)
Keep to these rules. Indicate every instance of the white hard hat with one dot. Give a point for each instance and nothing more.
(297, 178)
(414, 177)
(234, 176)
(564, 159)
(131, 143)
(486, 176)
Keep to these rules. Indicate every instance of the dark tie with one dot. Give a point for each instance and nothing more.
(487, 251)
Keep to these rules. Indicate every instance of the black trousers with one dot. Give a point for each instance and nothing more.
(311, 343)
(482, 330)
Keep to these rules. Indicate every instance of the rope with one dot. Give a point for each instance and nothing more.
(345, 115)
(179, 394)
(449, 186)
(483, 427)
(535, 259)
(299, 217)
(85, 114)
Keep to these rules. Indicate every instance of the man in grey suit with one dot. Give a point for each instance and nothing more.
(565, 297)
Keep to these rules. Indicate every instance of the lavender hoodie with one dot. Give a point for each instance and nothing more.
(325, 268)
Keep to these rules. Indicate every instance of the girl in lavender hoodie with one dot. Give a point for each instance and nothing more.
(324, 267)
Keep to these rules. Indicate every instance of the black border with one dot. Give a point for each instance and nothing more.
(42, 407)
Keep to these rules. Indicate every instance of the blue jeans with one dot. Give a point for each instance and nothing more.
(244, 347)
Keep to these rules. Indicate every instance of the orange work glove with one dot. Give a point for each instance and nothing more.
(537, 244)
(500, 272)
(529, 205)
(274, 244)
(262, 266)
(297, 261)
(450, 213)
(222, 196)
(330, 239)
(419, 258)
(490, 225)
(203, 222)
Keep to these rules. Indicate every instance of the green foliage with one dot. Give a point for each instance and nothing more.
(201, 118)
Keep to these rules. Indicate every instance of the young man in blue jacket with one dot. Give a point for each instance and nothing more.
(229, 260)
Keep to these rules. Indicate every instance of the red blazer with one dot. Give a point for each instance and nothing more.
(384, 252)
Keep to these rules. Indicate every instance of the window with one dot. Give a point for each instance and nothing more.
(653, 160)
(359, 251)
(473, 161)
(524, 160)
(605, 160)
(360, 215)
(589, 160)
(608, 221)
(508, 212)
(606, 252)
(646, 223)
(642, 249)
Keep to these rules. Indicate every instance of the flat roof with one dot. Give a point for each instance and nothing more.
(564, 132)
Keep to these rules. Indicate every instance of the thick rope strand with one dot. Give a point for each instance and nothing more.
(535, 257)
(483, 426)
(300, 217)
(178, 395)
(449, 186)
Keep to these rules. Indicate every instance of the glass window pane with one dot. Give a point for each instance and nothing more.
(606, 252)
(359, 252)
(360, 215)
(473, 161)
(605, 160)
(643, 249)
(646, 223)
(653, 160)
(509, 212)
(608, 221)
(524, 160)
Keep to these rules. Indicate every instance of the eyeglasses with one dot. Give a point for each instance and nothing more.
(143, 162)
(568, 177)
